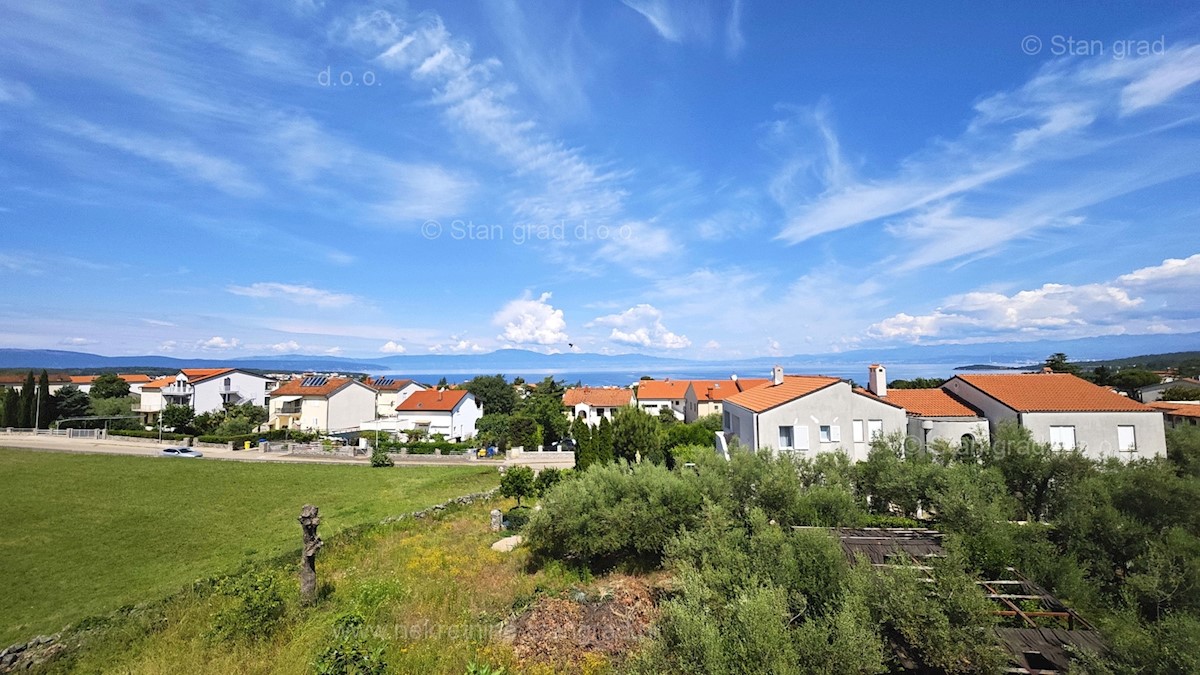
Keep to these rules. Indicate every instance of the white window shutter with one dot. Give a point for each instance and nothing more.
(835, 433)
(801, 440)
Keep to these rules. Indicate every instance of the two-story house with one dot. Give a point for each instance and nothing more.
(320, 403)
(591, 404)
(203, 390)
(449, 412)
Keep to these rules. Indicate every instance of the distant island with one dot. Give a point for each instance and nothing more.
(989, 366)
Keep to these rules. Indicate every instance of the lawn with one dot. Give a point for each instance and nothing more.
(85, 534)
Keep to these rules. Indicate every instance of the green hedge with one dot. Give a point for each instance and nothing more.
(425, 447)
(272, 435)
(138, 433)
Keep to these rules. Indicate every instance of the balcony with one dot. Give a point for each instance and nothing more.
(177, 390)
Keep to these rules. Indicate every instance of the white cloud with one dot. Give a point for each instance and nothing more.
(12, 91)
(1160, 299)
(168, 346)
(157, 322)
(712, 344)
(1185, 272)
(286, 347)
(296, 293)
(532, 321)
(735, 42)
(641, 326)
(392, 347)
(334, 351)
(457, 345)
(217, 343)
(76, 342)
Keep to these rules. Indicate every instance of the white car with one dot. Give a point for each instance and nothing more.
(180, 452)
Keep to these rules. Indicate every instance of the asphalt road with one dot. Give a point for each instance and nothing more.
(111, 446)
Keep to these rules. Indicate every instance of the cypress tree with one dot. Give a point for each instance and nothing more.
(12, 408)
(603, 441)
(42, 405)
(585, 453)
(28, 392)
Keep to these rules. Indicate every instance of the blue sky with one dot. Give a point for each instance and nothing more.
(701, 179)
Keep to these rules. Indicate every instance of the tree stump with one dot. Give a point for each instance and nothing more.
(309, 520)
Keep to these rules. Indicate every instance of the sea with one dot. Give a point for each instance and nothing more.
(624, 378)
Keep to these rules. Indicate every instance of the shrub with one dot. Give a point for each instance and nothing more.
(257, 608)
(615, 512)
(352, 651)
(380, 458)
(518, 517)
(140, 433)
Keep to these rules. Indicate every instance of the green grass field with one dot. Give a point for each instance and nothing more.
(85, 534)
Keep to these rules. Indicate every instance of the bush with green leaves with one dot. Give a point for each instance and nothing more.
(517, 482)
(352, 650)
(615, 513)
(256, 609)
(547, 478)
(518, 517)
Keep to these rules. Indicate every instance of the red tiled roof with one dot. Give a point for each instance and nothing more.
(296, 387)
(604, 397)
(18, 379)
(432, 400)
(134, 378)
(661, 389)
(82, 379)
(719, 390)
(1177, 409)
(930, 403)
(793, 387)
(1051, 392)
(867, 393)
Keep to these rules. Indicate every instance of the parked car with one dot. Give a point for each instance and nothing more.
(180, 452)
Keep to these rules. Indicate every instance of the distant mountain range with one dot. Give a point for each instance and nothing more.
(509, 361)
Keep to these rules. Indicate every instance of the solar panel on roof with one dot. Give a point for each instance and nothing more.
(385, 381)
(314, 381)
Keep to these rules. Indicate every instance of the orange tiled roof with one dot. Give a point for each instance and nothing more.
(159, 383)
(661, 389)
(1051, 392)
(432, 400)
(82, 379)
(604, 397)
(195, 375)
(134, 378)
(390, 383)
(1177, 409)
(296, 387)
(760, 399)
(719, 390)
(930, 403)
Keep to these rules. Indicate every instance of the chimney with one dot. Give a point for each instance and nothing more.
(733, 377)
(777, 375)
(877, 380)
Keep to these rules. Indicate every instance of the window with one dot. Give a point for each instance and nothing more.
(860, 431)
(786, 438)
(874, 429)
(1062, 437)
(1126, 440)
(826, 433)
(725, 422)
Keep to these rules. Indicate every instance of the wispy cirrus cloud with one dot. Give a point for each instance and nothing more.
(295, 293)
(1052, 141)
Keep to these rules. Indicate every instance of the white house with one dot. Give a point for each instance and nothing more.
(1065, 411)
(450, 412)
(807, 414)
(591, 404)
(706, 397)
(203, 390)
(656, 395)
(320, 403)
(392, 392)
